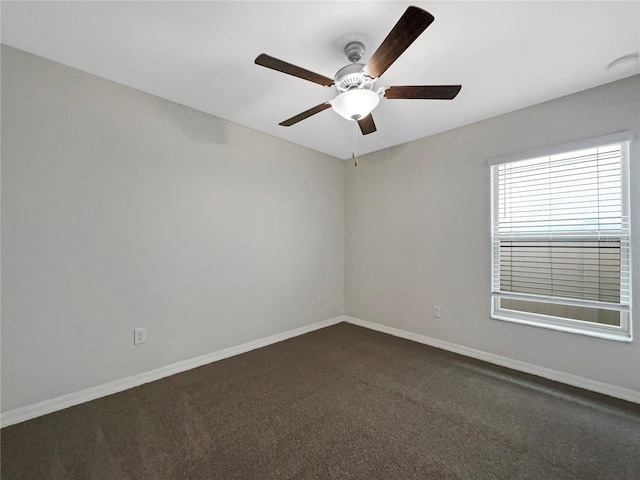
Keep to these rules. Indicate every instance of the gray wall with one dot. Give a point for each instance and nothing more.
(120, 210)
(417, 234)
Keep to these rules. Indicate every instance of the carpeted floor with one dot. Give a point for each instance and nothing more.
(339, 403)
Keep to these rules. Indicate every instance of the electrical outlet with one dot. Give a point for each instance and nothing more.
(436, 311)
(139, 335)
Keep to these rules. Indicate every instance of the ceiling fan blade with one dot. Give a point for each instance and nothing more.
(413, 22)
(367, 125)
(284, 67)
(433, 92)
(305, 114)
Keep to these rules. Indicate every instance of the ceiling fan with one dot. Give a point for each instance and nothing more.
(355, 83)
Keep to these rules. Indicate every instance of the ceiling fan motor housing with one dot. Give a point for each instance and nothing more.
(351, 76)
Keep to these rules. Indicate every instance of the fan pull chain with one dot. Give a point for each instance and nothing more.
(355, 144)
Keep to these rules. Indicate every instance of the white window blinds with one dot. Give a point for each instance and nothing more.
(560, 233)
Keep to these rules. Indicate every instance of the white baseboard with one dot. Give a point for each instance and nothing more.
(569, 379)
(28, 412)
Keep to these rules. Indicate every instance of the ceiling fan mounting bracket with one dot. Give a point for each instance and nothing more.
(354, 51)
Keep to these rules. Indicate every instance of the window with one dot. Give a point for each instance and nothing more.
(560, 237)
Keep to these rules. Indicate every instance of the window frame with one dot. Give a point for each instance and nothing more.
(601, 330)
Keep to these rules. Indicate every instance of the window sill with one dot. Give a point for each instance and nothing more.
(618, 336)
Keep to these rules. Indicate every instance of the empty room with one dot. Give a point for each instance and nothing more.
(320, 240)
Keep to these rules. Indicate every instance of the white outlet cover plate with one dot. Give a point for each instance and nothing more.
(139, 335)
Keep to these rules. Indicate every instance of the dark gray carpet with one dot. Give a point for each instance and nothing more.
(340, 403)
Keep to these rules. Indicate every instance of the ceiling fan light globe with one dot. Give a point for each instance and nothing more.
(355, 104)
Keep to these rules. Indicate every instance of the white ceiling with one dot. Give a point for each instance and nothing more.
(506, 56)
